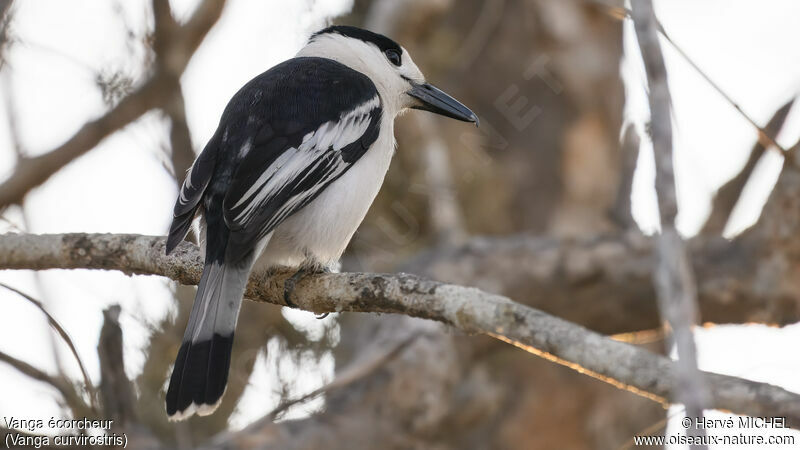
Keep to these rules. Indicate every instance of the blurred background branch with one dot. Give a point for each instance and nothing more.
(65, 337)
(673, 275)
(728, 195)
(31, 172)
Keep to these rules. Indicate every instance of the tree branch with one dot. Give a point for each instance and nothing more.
(466, 309)
(673, 275)
(31, 172)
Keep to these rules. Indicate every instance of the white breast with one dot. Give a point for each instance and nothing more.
(319, 233)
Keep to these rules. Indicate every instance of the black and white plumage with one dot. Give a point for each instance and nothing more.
(298, 157)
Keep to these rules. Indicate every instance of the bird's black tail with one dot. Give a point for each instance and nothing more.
(201, 368)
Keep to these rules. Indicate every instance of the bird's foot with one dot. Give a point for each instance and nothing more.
(288, 287)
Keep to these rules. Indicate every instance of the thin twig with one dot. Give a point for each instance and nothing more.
(763, 135)
(65, 337)
(73, 400)
(728, 195)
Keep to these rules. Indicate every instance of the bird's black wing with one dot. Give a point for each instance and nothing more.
(192, 190)
(304, 123)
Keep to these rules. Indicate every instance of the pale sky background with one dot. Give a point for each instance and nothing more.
(121, 187)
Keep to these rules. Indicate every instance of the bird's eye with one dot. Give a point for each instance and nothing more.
(394, 57)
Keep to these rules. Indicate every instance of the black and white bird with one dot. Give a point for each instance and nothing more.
(299, 155)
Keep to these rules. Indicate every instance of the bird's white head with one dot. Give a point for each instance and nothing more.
(399, 81)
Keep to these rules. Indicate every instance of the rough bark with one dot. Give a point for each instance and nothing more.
(602, 283)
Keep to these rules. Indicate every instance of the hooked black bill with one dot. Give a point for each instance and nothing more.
(437, 101)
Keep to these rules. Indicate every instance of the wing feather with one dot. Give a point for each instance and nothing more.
(282, 139)
(192, 190)
(254, 206)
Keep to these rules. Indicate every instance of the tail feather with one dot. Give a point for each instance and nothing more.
(201, 368)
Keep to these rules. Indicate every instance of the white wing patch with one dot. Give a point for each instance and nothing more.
(298, 163)
(187, 185)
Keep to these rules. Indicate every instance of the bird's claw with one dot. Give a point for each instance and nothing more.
(321, 316)
(288, 287)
